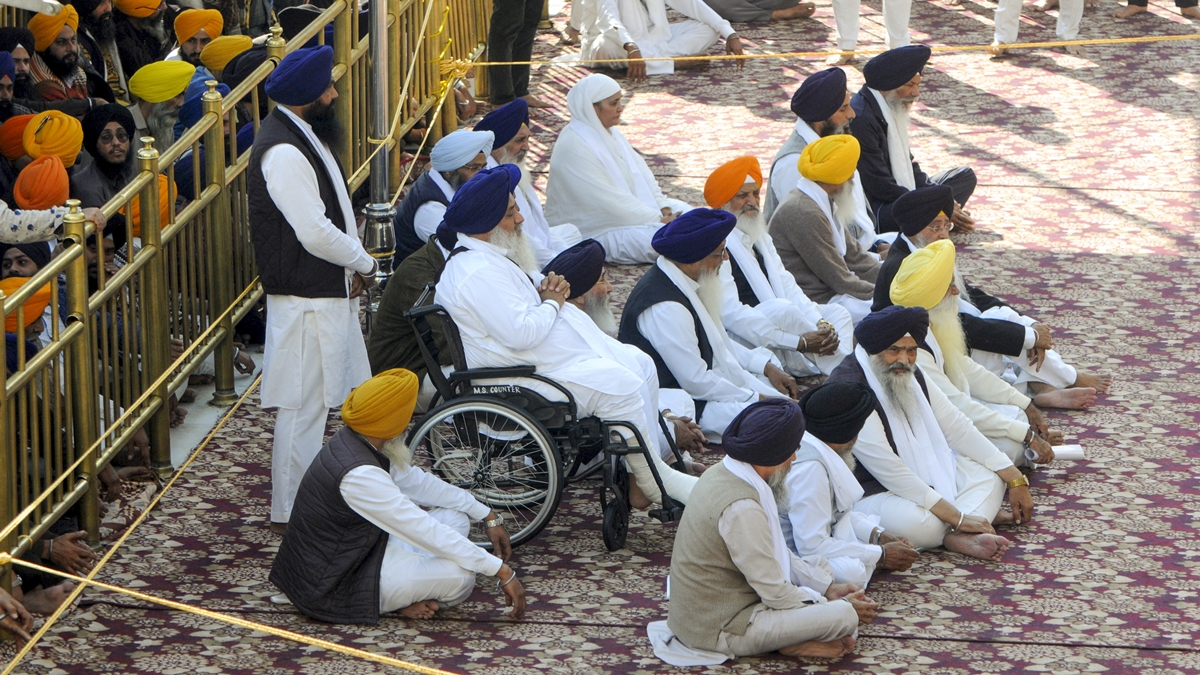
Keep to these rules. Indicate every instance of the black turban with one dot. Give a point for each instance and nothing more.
(11, 36)
(240, 66)
(38, 252)
(581, 265)
(294, 20)
(97, 118)
(835, 412)
(85, 8)
(766, 433)
(895, 67)
(820, 96)
(916, 209)
(694, 235)
(882, 329)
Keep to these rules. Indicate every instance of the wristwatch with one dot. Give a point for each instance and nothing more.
(1018, 482)
(489, 524)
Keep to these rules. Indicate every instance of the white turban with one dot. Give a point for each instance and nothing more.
(456, 150)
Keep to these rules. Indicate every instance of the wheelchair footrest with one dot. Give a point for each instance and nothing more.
(667, 515)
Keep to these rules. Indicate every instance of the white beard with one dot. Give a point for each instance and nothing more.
(753, 225)
(161, 123)
(396, 450)
(711, 295)
(518, 161)
(844, 206)
(901, 111)
(847, 456)
(600, 312)
(777, 481)
(519, 249)
(896, 387)
(947, 329)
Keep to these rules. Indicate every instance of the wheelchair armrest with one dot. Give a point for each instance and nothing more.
(423, 310)
(490, 373)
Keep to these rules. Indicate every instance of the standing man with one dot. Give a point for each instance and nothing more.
(55, 72)
(510, 38)
(312, 265)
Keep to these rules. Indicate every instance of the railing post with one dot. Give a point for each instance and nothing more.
(8, 480)
(219, 229)
(343, 44)
(155, 342)
(395, 83)
(86, 419)
(379, 238)
(545, 23)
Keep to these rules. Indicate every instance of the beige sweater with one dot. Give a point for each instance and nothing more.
(805, 243)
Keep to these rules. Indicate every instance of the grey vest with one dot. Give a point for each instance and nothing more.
(709, 594)
(793, 146)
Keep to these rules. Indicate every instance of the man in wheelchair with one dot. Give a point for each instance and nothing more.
(359, 544)
(509, 315)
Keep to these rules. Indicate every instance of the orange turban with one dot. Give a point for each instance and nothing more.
(382, 406)
(138, 9)
(164, 206)
(53, 133)
(192, 21)
(729, 178)
(12, 136)
(221, 51)
(34, 306)
(42, 184)
(46, 27)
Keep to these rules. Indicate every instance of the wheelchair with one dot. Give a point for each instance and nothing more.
(512, 448)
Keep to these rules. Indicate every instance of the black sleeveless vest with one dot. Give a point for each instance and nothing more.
(423, 191)
(745, 291)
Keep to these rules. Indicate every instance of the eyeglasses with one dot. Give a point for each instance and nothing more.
(108, 137)
(719, 255)
(476, 167)
(938, 229)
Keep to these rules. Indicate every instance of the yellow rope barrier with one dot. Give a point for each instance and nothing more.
(455, 70)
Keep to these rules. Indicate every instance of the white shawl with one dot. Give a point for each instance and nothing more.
(819, 196)
(858, 223)
(846, 490)
(769, 285)
(767, 499)
(899, 150)
(921, 445)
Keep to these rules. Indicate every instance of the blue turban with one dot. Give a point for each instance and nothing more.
(193, 108)
(505, 121)
(765, 433)
(895, 67)
(916, 209)
(447, 237)
(694, 235)
(581, 265)
(302, 76)
(480, 204)
(9, 69)
(457, 149)
(882, 329)
(820, 96)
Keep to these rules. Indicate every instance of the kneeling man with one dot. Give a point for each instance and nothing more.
(358, 545)
(928, 474)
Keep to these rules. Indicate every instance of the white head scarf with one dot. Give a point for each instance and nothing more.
(608, 144)
(457, 149)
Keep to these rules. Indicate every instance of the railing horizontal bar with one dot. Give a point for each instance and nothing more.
(33, 366)
(44, 276)
(316, 26)
(117, 281)
(131, 190)
(189, 212)
(186, 141)
(197, 358)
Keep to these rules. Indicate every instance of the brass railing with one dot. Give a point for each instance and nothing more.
(108, 368)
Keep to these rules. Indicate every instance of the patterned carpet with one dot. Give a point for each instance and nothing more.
(1089, 194)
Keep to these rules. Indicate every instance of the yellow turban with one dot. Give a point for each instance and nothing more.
(382, 406)
(42, 184)
(925, 276)
(138, 9)
(221, 51)
(831, 159)
(161, 81)
(34, 306)
(164, 206)
(729, 178)
(192, 21)
(12, 136)
(53, 133)
(46, 27)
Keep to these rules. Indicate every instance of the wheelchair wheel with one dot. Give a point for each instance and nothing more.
(499, 454)
(616, 524)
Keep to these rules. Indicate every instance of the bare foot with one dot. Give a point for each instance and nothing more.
(694, 468)
(820, 650)
(637, 498)
(1192, 12)
(1004, 518)
(46, 600)
(279, 528)
(1067, 399)
(800, 11)
(843, 59)
(178, 413)
(1044, 5)
(982, 546)
(420, 610)
(996, 49)
(570, 36)
(1091, 4)
(1074, 50)
(189, 396)
(1100, 383)
(535, 102)
(1128, 11)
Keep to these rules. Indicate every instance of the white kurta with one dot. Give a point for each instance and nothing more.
(547, 241)
(606, 26)
(429, 215)
(428, 556)
(784, 312)
(314, 353)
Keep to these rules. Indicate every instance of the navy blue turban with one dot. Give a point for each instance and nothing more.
(694, 235)
(9, 69)
(882, 329)
(480, 204)
(836, 412)
(765, 433)
(916, 209)
(38, 252)
(447, 237)
(895, 67)
(820, 96)
(240, 66)
(505, 121)
(581, 265)
(302, 76)
(193, 108)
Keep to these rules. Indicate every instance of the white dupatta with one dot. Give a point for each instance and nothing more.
(899, 151)
(819, 196)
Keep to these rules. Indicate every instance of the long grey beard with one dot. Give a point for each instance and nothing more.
(847, 456)
(600, 312)
(896, 387)
(520, 251)
(161, 122)
(901, 113)
(753, 225)
(947, 329)
(777, 481)
(518, 160)
(396, 450)
(155, 27)
(711, 295)
(844, 208)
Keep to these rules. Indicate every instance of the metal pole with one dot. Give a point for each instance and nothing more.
(82, 357)
(219, 228)
(379, 237)
(156, 354)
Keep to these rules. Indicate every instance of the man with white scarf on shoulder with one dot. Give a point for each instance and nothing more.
(599, 183)
(510, 124)
(630, 30)
(763, 306)
(927, 473)
(882, 111)
(822, 490)
(674, 315)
